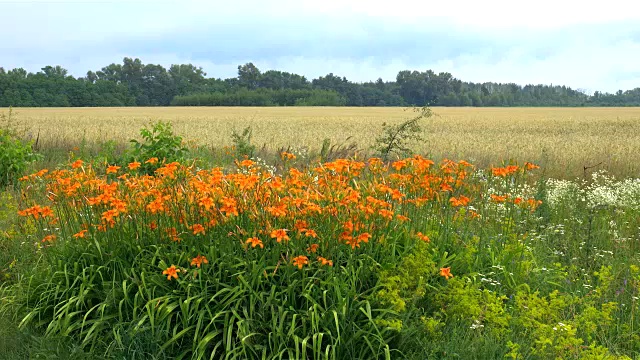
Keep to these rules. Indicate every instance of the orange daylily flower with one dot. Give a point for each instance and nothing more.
(364, 237)
(301, 225)
(199, 260)
(300, 261)
(229, 206)
(279, 235)
(386, 213)
(37, 211)
(206, 202)
(197, 229)
(41, 173)
(46, 211)
(77, 164)
(324, 261)
(153, 160)
(313, 248)
(247, 163)
(171, 272)
(287, 156)
(109, 215)
(445, 187)
(398, 165)
(133, 165)
(49, 238)
(498, 198)
(173, 234)
(277, 211)
(254, 241)
(531, 166)
(446, 272)
(459, 201)
(80, 234)
(112, 169)
(499, 172)
(423, 237)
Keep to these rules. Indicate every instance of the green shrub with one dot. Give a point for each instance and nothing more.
(15, 153)
(158, 142)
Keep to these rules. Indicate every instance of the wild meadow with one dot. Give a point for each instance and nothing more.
(168, 248)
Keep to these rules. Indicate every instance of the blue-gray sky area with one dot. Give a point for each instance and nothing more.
(582, 44)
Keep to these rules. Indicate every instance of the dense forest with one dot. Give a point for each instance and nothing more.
(133, 83)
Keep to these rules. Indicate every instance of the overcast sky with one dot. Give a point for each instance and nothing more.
(585, 45)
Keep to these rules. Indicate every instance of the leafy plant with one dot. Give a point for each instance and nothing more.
(15, 153)
(242, 143)
(159, 142)
(395, 139)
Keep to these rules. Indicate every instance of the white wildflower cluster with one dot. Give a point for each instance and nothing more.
(261, 164)
(602, 190)
(606, 191)
(487, 278)
(477, 324)
(560, 326)
(301, 152)
(562, 191)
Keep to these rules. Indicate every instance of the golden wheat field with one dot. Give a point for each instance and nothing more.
(563, 140)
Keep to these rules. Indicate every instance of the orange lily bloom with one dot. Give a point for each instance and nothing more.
(77, 164)
(134, 165)
(446, 272)
(197, 229)
(112, 169)
(531, 166)
(171, 272)
(254, 241)
(279, 235)
(498, 199)
(459, 201)
(324, 261)
(423, 237)
(300, 261)
(80, 234)
(313, 248)
(199, 260)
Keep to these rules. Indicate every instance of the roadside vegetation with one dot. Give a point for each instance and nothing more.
(156, 249)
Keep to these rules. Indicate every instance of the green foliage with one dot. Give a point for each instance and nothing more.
(133, 83)
(15, 153)
(159, 142)
(262, 97)
(395, 139)
(555, 281)
(242, 143)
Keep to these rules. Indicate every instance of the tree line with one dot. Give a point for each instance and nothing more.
(133, 83)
